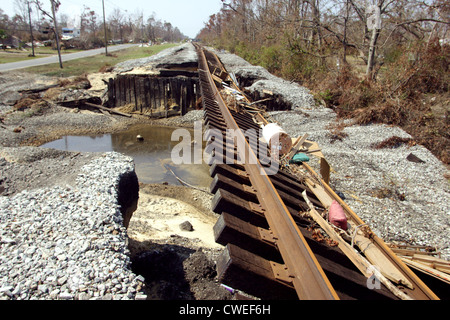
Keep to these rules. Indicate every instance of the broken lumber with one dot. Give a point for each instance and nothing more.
(376, 257)
(253, 274)
(107, 109)
(296, 146)
(90, 103)
(358, 260)
(365, 244)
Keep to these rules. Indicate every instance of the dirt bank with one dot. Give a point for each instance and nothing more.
(172, 244)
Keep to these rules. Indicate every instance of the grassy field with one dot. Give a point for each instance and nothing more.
(14, 55)
(95, 63)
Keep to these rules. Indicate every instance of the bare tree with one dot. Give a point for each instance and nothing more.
(55, 5)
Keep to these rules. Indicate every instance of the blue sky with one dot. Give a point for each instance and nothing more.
(188, 15)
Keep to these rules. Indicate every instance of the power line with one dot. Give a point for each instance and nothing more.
(115, 5)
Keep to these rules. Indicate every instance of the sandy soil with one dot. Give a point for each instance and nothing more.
(160, 217)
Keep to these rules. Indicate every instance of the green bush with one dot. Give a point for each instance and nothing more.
(272, 58)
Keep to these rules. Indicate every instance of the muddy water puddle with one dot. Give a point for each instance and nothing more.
(152, 155)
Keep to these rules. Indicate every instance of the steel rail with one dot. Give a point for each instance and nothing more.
(308, 277)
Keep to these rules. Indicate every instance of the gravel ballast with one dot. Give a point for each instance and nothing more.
(69, 242)
(402, 201)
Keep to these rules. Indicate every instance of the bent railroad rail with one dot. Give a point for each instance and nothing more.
(274, 249)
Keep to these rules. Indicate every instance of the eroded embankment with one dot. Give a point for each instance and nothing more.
(365, 181)
(404, 201)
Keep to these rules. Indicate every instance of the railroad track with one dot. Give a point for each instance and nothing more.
(274, 250)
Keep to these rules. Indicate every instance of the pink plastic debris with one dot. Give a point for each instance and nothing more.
(337, 216)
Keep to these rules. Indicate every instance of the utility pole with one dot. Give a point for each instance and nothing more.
(56, 33)
(104, 26)
(55, 24)
(31, 28)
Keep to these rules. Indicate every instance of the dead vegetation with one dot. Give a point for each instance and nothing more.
(412, 93)
(337, 131)
(389, 75)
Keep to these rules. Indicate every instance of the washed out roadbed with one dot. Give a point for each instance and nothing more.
(169, 238)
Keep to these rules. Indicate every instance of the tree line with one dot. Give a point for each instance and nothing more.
(372, 30)
(121, 26)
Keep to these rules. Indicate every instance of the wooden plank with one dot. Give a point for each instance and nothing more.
(191, 94)
(285, 186)
(224, 201)
(116, 93)
(152, 93)
(409, 252)
(123, 90)
(129, 89)
(297, 145)
(252, 274)
(222, 182)
(215, 121)
(432, 260)
(119, 91)
(218, 149)
(166, 95)
(229, 229)
(142, 95)
(325, 170)
(136, 103)
(238, 175)
(107, 109)
(320, 193)
(145, 89)
(157, 92)
(217, 156)
(111, 95)
(377, 258)
(358, 260)
(184, 97)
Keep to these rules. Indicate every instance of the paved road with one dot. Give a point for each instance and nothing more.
(64, 57)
